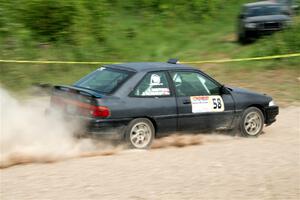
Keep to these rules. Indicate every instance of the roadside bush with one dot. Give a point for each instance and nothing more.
(48, 20)
(181, 9)
(284, 42)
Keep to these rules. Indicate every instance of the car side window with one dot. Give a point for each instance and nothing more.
(154, 84)
(193, 84)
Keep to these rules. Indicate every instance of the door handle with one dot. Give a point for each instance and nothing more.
(186, 101)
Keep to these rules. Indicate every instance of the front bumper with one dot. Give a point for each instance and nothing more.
(261, 32)
(271, 113)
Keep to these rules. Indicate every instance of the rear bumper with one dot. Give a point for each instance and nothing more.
(89, 126)
(106, 128)
(271, 113)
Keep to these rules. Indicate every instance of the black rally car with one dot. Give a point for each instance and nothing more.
(140, 101)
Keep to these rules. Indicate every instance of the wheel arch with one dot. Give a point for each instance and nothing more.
(153, 123)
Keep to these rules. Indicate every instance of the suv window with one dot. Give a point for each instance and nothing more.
(153, 84)
(193, 84)
(263, 10)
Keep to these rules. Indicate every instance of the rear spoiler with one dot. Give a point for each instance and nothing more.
(77, 90)
(41, 89)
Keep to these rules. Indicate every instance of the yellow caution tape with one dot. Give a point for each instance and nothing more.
(243, 59)
(184, 62)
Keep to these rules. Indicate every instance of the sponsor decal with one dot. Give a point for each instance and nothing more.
(157, 92)
(202, 104)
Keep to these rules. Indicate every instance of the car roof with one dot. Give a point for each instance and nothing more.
(261, 3)
(148, 66)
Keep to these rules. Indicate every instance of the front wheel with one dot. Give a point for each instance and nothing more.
(140, 133)
(252, 122)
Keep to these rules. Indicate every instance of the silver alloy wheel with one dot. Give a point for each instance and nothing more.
(140, 135)
(253, 123)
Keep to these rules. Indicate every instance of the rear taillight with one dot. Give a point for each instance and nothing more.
(79, 107)
(100, 111)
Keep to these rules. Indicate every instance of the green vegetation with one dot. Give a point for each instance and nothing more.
(133, 30)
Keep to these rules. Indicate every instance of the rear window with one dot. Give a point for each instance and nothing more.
(104, 80)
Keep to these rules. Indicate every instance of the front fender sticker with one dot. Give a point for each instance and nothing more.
(202, 104)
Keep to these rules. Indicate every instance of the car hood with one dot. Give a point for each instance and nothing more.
(244, 91)
(268, 18)
(248, 94)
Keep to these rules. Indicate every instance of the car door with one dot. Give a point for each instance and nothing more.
(200, 101)
(152, 97)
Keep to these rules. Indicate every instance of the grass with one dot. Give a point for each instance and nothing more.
(151, 38)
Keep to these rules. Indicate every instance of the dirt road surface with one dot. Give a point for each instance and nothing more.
(223, 167)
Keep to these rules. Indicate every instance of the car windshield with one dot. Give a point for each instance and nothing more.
(104, 80)
(264, 10)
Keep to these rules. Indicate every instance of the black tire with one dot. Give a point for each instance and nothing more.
(241, 38)
(254, 127)
(140, 130)
(245, 39)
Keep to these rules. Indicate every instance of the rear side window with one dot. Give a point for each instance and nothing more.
(154, 84)
(104, 80)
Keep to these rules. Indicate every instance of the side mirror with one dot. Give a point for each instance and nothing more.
(224, 90)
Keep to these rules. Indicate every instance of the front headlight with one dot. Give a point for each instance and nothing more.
(250, 25)
(272, 103)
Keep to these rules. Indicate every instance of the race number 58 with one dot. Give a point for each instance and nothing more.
(217, 103)
(202, 104)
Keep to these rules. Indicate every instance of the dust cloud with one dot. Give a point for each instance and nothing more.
(177, 140)
(29, 136)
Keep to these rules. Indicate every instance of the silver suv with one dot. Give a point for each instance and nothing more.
(261, 18)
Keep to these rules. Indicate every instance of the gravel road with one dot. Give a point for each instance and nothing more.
(222, 167)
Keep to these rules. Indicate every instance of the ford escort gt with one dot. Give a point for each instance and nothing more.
(141, 101)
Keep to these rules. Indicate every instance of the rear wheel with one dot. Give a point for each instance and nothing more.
(252, 122)
(140, 133)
